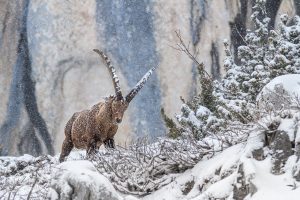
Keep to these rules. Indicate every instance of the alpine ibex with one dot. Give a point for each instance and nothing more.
(89, 129)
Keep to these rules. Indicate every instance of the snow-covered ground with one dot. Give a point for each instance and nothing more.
(210, 179)
(213, 177)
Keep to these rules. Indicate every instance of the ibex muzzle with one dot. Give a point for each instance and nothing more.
(89, 129)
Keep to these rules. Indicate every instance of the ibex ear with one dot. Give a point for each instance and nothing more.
(109, 99)
(139, 86)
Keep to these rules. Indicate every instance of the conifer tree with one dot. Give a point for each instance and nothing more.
(265, 55)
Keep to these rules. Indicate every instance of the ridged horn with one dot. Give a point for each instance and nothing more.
(112, 72)
(139, 85)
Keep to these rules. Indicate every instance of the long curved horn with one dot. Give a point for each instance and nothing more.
(139, 85)
(112, 72)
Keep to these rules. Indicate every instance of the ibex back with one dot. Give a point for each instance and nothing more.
(89, 129)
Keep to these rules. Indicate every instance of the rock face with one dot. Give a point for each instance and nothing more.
(48, 70)
(243, 187)
(281, 150)
(80, 180)
(22, 115)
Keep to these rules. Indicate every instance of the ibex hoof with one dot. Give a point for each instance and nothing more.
(109, 143)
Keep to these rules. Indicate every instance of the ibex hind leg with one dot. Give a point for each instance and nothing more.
(68, 143)
(66, 149)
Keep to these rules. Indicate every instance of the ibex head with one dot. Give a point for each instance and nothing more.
(118, 108)
(118, 103)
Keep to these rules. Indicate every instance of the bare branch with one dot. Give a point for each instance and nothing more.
(181, 46)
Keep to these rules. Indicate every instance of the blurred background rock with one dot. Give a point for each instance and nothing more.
(48, 70)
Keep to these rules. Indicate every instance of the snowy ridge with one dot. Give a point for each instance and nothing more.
(217, 178)
(206, 176)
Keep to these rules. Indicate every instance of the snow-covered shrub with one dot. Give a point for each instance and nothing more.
(265, 55)
(25, 177)
(145, 167)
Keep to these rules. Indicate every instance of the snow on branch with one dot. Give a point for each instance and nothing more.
(143, 167)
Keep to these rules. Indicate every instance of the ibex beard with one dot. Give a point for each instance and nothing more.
(89, 129)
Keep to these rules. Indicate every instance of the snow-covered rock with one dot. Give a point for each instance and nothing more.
(212, 178)
(281, 92)
(281, 150)
(80, 180)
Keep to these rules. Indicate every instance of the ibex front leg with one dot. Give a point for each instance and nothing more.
(91, 148)
(110, 142)
(91, 139)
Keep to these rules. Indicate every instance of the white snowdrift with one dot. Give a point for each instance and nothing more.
(274, 187)
(80, 180)
(205, 171)
(269, 186)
